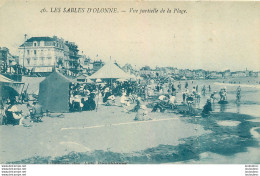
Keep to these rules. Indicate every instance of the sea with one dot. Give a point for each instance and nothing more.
(249, 104)
(250, 95)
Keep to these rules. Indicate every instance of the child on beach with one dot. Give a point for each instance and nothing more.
(142, 114)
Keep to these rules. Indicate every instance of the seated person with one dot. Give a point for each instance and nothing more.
(207, 108)
(172, 101)
(90, 103)
(36, 112)
(137, 106)
(13, 116)
(77, 105)
(124, 100)
(107, 94)
(142, 114)
(163, 104)
(111, 101)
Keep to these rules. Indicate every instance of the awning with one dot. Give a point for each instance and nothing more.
(4, 79)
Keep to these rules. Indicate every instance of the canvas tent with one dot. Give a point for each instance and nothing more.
(111, 71)
(8, 87)
(83, 78)
(54, 93)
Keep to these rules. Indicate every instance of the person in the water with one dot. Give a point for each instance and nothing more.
(203, 90)
(223, 94)
(212, 97)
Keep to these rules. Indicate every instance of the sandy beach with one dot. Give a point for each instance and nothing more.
(112, 136)
(109, 129)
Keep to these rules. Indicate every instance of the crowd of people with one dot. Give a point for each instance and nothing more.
(131, 96)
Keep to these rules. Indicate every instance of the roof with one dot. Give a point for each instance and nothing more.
(32, 39)
(110, 70)
(57, 75)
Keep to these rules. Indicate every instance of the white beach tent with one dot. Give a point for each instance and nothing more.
(111, 71)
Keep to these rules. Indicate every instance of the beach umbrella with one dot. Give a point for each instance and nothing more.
(98, 80)
(121, 80)
(89, 81)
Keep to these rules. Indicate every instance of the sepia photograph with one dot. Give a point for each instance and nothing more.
(129, 82)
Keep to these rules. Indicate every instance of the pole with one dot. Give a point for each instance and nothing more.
(21, 92)
(25, 35)
(97, 99)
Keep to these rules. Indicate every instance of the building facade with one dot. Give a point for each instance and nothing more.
(72, 62)
(97, 65)
(43, 54)
(7, 60)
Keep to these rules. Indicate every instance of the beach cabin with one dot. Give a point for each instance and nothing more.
(54, 93)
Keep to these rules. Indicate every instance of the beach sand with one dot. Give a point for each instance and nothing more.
(110, 135)
(108, 129)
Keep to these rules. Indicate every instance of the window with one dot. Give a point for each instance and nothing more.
(42, 43)
(28, 52)
(42, 60)
(34, 43)
(35, 52)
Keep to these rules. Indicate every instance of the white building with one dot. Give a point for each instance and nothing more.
(42, 54)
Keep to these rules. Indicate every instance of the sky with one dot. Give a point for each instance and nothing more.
(210, 36)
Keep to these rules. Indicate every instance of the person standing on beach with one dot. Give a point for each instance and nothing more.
(186, 85)
(190, 101)
(183, 97)
(194, 91)
(238, 94)
(203, 90)
(179, 86)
